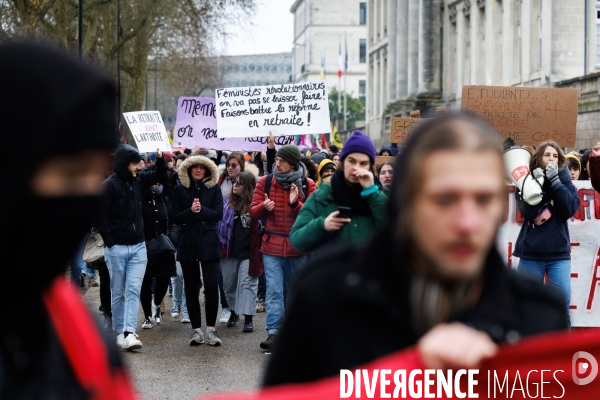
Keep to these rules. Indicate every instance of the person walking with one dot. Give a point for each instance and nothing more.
(198, 207)
(156, 208)
(544, 244)
(241, 261)
(277, 200)
(122, 228)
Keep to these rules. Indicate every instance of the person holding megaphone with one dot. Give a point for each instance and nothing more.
(544, 245)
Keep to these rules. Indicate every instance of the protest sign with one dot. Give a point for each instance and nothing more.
(527, 115)
(584, 230)
(294, 109)
(381, 159)
(402, 127)
(148, 130)
(196, 125)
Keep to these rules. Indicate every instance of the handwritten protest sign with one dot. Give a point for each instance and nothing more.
(197, 125)
(148, 130)
(402, 128)
(527, 115)
(294, 109)
(584, 229)
(381, 159)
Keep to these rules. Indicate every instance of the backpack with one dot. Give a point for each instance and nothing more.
(270, 178)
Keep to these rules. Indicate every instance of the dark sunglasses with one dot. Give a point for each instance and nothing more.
(231, 165)
(237, 183)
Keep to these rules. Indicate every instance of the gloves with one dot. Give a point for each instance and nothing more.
(552, 173)
(507, 144)
(537, 173)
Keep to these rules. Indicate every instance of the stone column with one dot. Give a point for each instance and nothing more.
(413, 47)
(428, 51)
(401, 32)
(391, 50)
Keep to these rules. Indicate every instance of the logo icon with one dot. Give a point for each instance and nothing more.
(580, 367)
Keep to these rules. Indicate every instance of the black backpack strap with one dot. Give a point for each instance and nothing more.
(268, 184)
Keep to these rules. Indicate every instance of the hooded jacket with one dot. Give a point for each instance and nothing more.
(549, 241)
(63, 108)
(199, 238)
(321, 167)
(360, 296)
(120, 221)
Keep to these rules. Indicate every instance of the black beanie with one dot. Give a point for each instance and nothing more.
(289, 153)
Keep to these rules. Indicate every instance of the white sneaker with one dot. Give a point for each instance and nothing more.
(156, 313)
(132, 342)
(120, 340)
(225, 314)
(185, 320)
(212, 338)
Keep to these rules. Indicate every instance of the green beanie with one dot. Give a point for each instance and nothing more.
(289, 153)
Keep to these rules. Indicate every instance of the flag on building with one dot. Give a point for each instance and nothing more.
(340, 62)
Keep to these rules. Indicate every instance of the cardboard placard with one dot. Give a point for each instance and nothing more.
(402, 127)
(528, 115)
(294, 109)
(196, 124)
(381, 159)
(148, 131)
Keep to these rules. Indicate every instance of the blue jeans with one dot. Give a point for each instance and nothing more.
(77, 265)
(178, 293)
(559, 275)
(279, 272)
(127, 266)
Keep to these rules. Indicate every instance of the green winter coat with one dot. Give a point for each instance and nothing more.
(308, 230)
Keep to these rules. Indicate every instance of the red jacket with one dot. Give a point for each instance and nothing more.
(279, 222)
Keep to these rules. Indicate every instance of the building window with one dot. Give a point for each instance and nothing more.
(362, 53)
(363, 14)
(362, 90)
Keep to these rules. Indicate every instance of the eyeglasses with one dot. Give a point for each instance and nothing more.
(237, 183)
(231, 165)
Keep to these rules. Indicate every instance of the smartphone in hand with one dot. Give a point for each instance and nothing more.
(345, 212)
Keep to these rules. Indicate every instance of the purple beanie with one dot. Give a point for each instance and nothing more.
(359, 143)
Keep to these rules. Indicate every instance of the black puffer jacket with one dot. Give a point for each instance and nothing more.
(199, 238)
(120, 218)
(156, 211)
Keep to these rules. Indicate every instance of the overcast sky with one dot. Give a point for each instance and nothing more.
(271, 32)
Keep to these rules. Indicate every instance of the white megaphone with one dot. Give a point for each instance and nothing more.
(516, 167)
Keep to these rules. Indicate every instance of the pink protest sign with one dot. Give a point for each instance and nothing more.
(197, 125)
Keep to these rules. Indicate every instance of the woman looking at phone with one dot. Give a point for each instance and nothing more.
(544, 245)
(349, 208)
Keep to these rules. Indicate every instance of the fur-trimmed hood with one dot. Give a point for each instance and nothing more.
(183, 169)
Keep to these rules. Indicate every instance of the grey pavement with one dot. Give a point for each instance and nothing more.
(167, 367)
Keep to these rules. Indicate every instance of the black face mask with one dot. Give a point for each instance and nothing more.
(49, 230)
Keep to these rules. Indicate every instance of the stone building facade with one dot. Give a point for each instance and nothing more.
(421, 52)
(256, 69)
(320, 28)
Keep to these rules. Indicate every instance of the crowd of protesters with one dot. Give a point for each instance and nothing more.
(330, 240)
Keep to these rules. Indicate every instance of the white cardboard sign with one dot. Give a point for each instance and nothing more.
(148, 130)
(584, 230)
(293, 109)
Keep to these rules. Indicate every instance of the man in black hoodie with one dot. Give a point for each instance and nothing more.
(122, 228)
